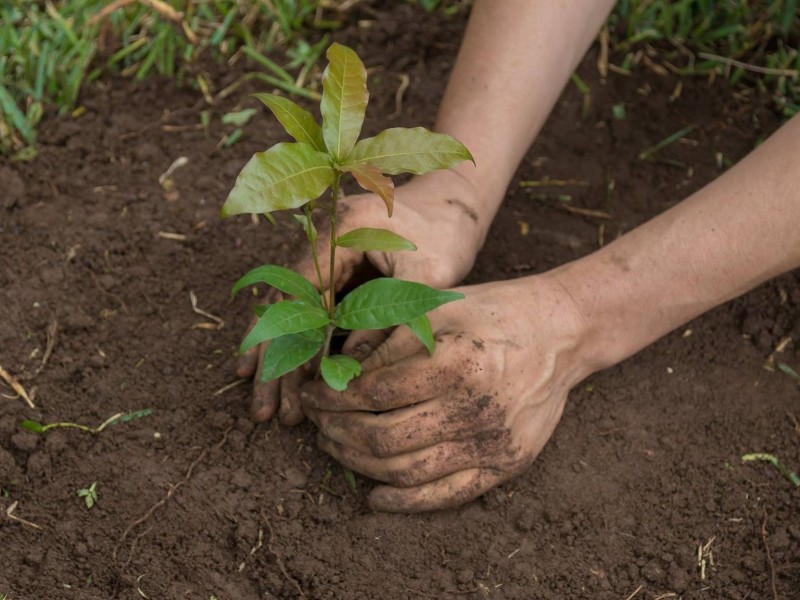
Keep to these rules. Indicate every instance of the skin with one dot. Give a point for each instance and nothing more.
(441, 431)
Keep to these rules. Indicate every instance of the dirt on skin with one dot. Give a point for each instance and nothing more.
(195, 501)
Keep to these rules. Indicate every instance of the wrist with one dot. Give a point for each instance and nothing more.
(543, 308)
(457, 201)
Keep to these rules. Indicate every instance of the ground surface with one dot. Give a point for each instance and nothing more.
(644, 467)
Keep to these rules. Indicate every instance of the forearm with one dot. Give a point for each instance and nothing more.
(730, 236)
(515, 58)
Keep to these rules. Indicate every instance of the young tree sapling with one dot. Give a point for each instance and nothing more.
(293, 176)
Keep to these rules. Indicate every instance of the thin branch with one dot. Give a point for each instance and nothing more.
(791, 73)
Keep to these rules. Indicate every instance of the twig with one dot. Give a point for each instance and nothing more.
(602, 59)
(769, 556)
(405, 81)
(548, 182)
(230, 386)
(636, 591)
(10, 514)
(52, 330)
(169, 495)
(16, 386)
(220, 323)
(586, 212)
(161, 7)
(167, 235)
(792, 73)
(278, 558)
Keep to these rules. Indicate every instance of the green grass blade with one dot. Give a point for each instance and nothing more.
(15, 116)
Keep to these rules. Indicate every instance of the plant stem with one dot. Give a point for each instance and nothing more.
(75, 425)
(316, 261)
(332, 281)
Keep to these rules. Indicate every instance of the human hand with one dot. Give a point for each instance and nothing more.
(435, 212)
(443, 430)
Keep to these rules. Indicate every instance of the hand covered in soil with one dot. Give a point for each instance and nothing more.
(433, 211)
(443, 430)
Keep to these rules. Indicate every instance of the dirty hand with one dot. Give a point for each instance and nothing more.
(443, 430)
(435, 212)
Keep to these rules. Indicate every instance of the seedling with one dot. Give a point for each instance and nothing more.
(790, 475)
(116, 419)
(293, 176)
(89, 495)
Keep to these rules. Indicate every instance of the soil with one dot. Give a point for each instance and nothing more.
(195, 501)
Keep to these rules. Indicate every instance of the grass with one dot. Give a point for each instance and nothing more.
(49, 49)
(752, 42)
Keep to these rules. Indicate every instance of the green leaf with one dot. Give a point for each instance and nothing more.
(283, 318)
(285, 176)
(366, 239)
(283, 279)
(344, 100)
(401, 150)
(386, 302)
(370, 178)
(308, 227)
(297, 121)
(130, 416)
(338, 370)
(421, 326)
(288, 352)
(239, 118)
(350, 478)
(32, 426)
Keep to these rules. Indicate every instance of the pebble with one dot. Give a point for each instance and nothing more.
(295, 478)
(8, 466)
(77, 321)
(39, 465)
(52, 275)
(24, 440)
(55, 442)
(244, 425)
(678, 579)
(465, 576)
(241, 478)
(13, 187)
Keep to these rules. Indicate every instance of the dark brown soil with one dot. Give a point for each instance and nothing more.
(197, 502)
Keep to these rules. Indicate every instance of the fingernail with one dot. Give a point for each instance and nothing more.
(362, 351)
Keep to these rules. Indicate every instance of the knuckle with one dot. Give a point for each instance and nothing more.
(378, 443)
(439, 277)
(403, 478)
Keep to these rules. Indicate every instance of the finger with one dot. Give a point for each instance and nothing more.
(360, 344)
(291, 410)
(411, 428)
(265, 395)
(402, 343)
(448, 492)
(246, 363)
(408, 470)
(411, 380)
